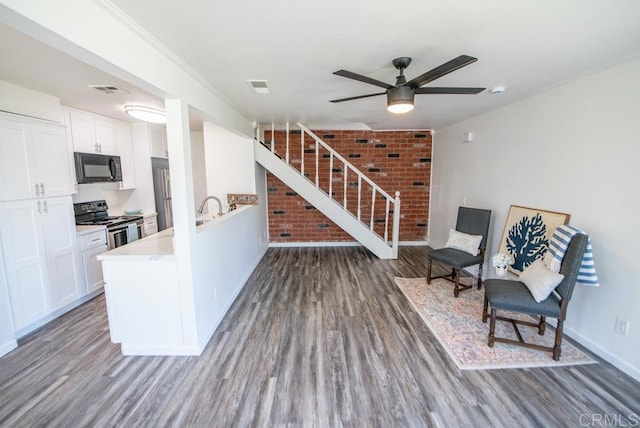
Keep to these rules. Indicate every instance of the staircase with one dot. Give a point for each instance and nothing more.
(320, 174)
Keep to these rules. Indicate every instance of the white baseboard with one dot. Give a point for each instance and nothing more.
(340, 244)
(8, 346)
(625, 366)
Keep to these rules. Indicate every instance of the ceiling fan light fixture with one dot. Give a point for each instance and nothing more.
(147, 114)
(400, 99)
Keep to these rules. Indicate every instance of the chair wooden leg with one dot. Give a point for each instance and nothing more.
(558, 342)
(492, 328)
(542, 326)
(480, 276)
(456, 290)
(429, 262)
(485, 308)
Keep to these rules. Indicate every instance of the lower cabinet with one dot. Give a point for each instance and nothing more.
(92, 244)
(41, 257)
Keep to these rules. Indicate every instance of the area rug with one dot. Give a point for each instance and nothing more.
(457, 324)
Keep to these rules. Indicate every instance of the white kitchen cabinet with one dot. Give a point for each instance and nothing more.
(33, 159)
(150, 224)
(105, 136)
(92, 244)
(91, 133)
(124, 144)
(158, 141)
(41, 257)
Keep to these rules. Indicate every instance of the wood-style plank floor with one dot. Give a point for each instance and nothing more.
(318, 337)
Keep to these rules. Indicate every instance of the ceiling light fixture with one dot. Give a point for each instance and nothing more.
(148, 114)
(400, 99)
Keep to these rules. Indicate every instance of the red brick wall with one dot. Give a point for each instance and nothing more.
(394, 160)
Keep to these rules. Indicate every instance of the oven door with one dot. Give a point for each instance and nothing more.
(123, 234)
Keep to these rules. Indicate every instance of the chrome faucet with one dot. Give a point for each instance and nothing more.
(204, 201)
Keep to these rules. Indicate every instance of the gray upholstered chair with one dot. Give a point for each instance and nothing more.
(472, 221)
(510, 295)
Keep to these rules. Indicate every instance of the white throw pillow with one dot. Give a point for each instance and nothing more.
(539, 280)
(463, 242)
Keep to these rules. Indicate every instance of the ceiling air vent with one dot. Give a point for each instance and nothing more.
(258, 86)
(106, 89)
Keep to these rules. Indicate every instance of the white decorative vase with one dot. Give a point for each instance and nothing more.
(501, 271)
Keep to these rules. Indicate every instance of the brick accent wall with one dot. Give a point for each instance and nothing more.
(394, 160)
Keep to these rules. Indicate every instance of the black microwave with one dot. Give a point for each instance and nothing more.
(93, 168)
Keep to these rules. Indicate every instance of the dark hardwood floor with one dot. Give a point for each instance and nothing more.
(318, 337)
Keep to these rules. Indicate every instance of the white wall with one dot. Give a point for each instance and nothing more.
(225, 256)
(199, 167)
(20, 100)
(573, 149)
(144, 63)
(230, 163)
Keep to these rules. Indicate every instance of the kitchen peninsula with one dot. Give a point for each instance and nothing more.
(152, 311)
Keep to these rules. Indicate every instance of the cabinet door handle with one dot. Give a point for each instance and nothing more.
(96, 239)
(45, 208)
(42, 189)
(39, 207)
(37, 189)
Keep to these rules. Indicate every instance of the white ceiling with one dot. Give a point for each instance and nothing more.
(527, 46)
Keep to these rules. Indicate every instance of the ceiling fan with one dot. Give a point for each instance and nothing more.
(400, 96)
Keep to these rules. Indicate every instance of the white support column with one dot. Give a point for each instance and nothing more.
(179, 146)
(386, 221)
(273, 141)
(317, 163)
(395, 233)
(331, 175)
(373, 207)
(287, 142)
(345, 185)
(359, 196)
(302, 152)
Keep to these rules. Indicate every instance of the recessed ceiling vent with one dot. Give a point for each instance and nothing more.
(106, 89)
(258, 86)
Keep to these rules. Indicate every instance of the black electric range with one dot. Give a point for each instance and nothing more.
(95, 213)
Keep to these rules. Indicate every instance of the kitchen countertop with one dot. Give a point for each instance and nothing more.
(84, 230)
(159, 246)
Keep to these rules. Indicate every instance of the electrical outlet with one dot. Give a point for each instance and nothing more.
(622, 326)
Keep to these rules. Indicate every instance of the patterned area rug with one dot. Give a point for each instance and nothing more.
(457, 323)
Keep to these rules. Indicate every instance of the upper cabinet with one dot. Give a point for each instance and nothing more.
(91, 133)
(124, 146)
(33, 159)
(158, 137)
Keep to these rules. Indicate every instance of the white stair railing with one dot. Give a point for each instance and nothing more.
(391, 204)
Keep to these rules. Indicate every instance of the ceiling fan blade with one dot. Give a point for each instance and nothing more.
(361, 78)
(441, 70)
(461, 91)
(356, 98)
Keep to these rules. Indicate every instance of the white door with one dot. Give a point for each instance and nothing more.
(50, 160)
(63, 256)
(17, 180)
(25, 260)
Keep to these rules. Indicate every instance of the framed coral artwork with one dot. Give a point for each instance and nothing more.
(527, 232)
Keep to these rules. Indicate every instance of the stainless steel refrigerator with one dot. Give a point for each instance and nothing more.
(162, 192)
